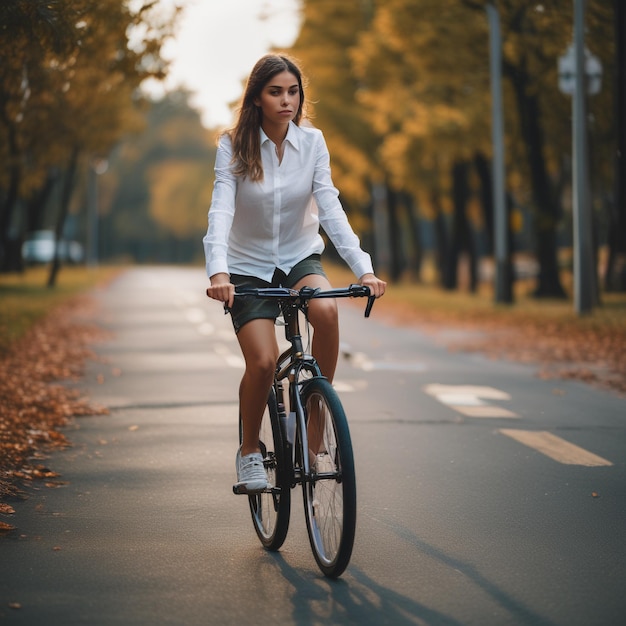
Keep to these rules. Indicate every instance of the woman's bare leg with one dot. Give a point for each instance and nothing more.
(324, 318)
(260, 351)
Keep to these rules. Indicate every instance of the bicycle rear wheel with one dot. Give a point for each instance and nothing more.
(330, 491)
(271, 510)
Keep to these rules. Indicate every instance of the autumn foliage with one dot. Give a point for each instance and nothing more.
(35, 398)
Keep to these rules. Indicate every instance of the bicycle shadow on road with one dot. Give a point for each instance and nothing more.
(317, 600)
(517, 611)
(357, 599)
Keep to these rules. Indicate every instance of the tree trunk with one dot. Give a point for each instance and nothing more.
(395, 240)
(66, 194)
(441, 239)
(548, 211)
(483, 171)
(10, 250)
(461, 237)
(416, 254)
(35, 209)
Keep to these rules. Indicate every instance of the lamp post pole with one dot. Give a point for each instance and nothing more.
(97, 167)
(503, 291)
(584, 284)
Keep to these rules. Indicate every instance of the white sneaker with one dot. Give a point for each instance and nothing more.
(251, 475)
(324, 464)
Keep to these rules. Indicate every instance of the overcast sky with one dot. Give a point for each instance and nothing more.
(217, 44)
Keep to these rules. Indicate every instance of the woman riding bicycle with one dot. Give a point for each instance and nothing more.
(273, 190)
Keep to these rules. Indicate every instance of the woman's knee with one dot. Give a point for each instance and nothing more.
(323, 314)
(261, 367)
(260, 350)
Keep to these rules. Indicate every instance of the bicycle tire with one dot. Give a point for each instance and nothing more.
(330, 494)
(271, 510)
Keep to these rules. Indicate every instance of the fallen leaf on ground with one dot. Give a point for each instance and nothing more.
(35, 402)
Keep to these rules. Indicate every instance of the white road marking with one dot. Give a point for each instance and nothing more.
(206, 328)
(487, 393)
(469, 400)
(342, 386)
(460, 399)
(195, 315)
(486, 411)
(361, 361)
(232, 360)
(555, 448)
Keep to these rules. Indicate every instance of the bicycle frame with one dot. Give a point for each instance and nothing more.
(290, 365)
(294, 360)
(326, 473)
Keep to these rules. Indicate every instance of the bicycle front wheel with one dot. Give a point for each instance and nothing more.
(330, 491)
(271, 509)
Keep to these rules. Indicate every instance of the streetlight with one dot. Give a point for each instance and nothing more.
(503, 291)
(580, 73)
(97, 166)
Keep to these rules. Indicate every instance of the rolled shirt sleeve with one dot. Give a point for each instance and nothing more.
(333, 218)
(222, 211)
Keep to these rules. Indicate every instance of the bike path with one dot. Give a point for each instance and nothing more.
(457, 523)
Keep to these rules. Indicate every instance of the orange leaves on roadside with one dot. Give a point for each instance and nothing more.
(592, 352)
(35, 402)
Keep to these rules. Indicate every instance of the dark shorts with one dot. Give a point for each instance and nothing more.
(247, 309)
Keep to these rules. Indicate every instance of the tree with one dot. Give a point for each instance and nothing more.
(29, 30)
(422, 96)
(414, 76)
(157, 192)
(534, 36)
(329, 30)
(69, 86)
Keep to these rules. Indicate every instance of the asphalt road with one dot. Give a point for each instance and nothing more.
(486, 495)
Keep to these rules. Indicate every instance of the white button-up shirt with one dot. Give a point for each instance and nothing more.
(256, 227)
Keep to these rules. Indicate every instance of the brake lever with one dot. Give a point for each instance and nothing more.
(362, 290)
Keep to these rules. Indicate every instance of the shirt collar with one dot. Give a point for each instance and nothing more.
(293, 136)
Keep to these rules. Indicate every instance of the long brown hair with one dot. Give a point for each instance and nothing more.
(245, 135)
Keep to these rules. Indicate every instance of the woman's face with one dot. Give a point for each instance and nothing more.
(279, 99)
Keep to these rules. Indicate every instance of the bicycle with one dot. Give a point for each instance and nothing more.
(305, 440)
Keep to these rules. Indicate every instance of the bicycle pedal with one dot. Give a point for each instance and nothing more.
(240, 490)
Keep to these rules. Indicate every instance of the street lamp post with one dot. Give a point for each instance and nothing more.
(503, 291)
(580, 74)
(96, 168)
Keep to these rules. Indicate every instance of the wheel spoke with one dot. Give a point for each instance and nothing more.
(330, 493)
(271, 510)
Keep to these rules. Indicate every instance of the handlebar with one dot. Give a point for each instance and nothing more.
(308, 293)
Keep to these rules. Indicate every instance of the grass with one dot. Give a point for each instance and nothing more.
(25, 298)
(430, 302)
(548, 333)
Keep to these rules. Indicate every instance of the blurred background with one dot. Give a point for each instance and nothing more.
(110, 109)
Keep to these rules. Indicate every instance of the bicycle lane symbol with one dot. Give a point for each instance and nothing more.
(469, 400)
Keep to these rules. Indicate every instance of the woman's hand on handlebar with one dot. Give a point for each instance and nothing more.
(376, 286)
(221, 289)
